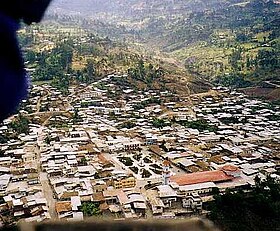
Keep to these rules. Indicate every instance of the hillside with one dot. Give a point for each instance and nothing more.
(65, 56)
(142, 8)
(231, 42)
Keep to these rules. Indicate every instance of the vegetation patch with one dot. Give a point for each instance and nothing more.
(200, 125)
(146, 174)
(233, 120)
(137, 156)
(159, 123)
(90, 209)
(128, 125)
(134, 169)
(274, 117)
(257, 210)
(127, 161)
(3, 139)
(20, 125)
(147, 102)
(147, 160)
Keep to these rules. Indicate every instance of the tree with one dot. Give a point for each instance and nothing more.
(200, 125)
(20, 124)
(241, 37)
(30, 56)
(146, 174)
(258, 209)
(234, 58)
(90, 71)
(48, 139)
(90, 209)
(145, 73)
(84, 161)
(268, 59)
(65, 51)
(158, 123)
(141, 69)
(128, 125)
(3, 139)
(61, 82)
(51, 64)
(76, 117)
(127, 161)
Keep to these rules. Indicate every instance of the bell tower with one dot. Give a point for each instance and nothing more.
(166, 172)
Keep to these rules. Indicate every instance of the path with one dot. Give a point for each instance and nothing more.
(48, 192)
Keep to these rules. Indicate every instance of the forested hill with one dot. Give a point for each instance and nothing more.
(232, 42)
(236, 45)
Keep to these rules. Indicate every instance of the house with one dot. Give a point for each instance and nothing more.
(5, 161)
(201, 189)
(132, 145)
(76, 203)
(193, 202)
(64, 209)
(33, 178)
(151, 139)
(137, 203)
(113, 196)
(4, 182)
(86, 171)
(99, 186)
(167, 194)
(184, 163)
(156, 205)
(124, 182)
(29, 157)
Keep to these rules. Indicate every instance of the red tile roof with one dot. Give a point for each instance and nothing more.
(201, 177)
(230, 168)
(166, 163)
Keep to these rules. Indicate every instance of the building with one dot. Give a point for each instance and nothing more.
(166, 172)
(167, 194)
(226, 173)
(193, 202)
(124, 182)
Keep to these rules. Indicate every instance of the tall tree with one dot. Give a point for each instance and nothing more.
(90, 71)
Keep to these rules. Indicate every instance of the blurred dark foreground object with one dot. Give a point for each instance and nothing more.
(105, 225)
(27, 10)
(13, 78)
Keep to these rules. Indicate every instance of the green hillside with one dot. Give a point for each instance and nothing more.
(231, 42)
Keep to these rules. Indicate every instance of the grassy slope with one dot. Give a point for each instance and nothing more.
(182, 30)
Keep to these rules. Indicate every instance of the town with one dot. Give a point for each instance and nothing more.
(113, 151)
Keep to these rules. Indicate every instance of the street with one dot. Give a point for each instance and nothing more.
(48, 192)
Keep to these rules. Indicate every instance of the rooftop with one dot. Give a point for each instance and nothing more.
(201, 177)
(63, 206)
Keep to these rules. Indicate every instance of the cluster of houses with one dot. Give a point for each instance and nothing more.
(133, 154)
(21, 191)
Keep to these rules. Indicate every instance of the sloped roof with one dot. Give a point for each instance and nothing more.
(63, 207)
(230, 168)
(201, 177)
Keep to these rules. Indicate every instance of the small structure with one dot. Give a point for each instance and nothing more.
(166, 174)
